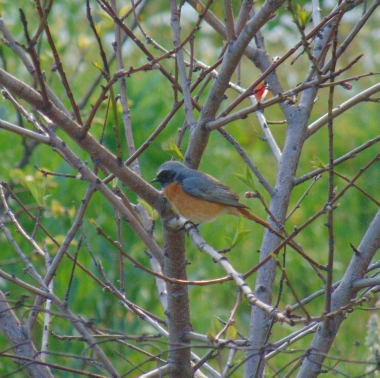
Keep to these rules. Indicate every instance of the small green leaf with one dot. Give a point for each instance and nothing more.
(152, 213)
(34, 190)
(229, 241)
(302, 16)
(246, 178)
(97, 65)
(93, 222)
(274, 256)
(174, 151)
(317, 162)
(115, 182)
(231, 333)
(239, 234)
(215, 326)
(210, 336)
(40, 317)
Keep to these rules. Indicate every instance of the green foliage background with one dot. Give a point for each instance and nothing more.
(150, 100)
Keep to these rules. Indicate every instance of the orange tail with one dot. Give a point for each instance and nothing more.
(237, 211)
(246, 214)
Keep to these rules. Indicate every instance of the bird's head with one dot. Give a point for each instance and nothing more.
(169, 172)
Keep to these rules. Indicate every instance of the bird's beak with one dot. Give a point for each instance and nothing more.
(154, 180)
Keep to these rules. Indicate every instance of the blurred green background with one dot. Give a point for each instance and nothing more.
(150, 99)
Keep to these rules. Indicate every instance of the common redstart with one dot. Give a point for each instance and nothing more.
(199, 197)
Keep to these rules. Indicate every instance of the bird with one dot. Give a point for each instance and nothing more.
(199, 197)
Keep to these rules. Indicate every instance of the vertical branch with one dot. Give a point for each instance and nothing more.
(245, 9)
(67, 294)
(229, 20)
(116, 128)
(174, 21)
(47, 317)
(121, 260)
(123, 94)
(316, 12)
(36, 61)
(176, 84)
(269, 138)
(178, 311)
(331, 190)
(38, 220)
(297, 117)
(191, 67)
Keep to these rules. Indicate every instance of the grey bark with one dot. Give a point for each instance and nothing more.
(20, 341)
(345, 292)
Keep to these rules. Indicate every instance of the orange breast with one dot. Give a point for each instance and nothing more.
(192, 208)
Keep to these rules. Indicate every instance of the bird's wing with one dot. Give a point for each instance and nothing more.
(207, 188)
